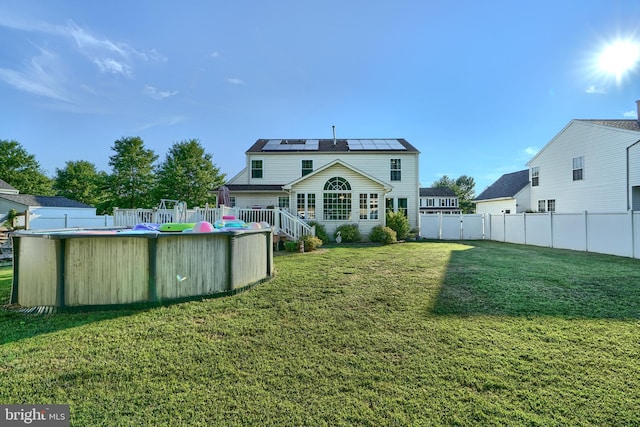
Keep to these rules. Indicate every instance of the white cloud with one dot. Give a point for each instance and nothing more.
(215, 54)
(158, 94)
(40, 76)
(632, 114)
(594, 89)
(110, 65)
(163, 121)
(235, 81)
(530, 151)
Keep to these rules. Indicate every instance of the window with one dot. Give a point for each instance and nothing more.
(306, 206)
(256, 168)
(307, 167)
(233, 201)
(402, 206)
(535, 176)
(389, 205)
(578, 168)
(396, 170)
(551, 205)
(283, 202)
(368, 206)
(541, 205)
(337, 199)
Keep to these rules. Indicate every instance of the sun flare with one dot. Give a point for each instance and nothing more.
(619, 57)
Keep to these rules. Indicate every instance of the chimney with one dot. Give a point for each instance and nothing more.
(334, 128)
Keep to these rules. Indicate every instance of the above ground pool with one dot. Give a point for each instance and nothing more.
(107, 267)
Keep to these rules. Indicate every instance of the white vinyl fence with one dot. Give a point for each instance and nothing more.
(615, 233)
(37, 222)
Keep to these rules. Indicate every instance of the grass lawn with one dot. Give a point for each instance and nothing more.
(480, 333)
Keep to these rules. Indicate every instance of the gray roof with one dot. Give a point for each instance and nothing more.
(620, 124)
(437, 192)
(256, 187)
(327, 146)
(4, 185)
(508, 185)
(44, 201)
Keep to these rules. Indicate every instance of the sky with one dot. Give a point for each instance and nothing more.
(478, 87)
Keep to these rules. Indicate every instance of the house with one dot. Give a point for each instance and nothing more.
(44, 207)
(6, 188)
(509, 194)
(591, 165)
(439, 200)
(331, 181)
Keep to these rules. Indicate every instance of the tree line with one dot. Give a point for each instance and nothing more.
(136, 180)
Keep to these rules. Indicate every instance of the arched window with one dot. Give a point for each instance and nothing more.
(337, 199)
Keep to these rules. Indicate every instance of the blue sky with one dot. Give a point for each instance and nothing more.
(477, 87)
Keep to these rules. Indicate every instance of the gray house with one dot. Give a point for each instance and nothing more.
(509, 194)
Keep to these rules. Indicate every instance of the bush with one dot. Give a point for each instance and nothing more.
(382, 234)
(291, 246)
(398, 223)
(348, 232)
(311, 243)
(321, 232)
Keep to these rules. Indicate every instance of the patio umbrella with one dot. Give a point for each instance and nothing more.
(223, 197)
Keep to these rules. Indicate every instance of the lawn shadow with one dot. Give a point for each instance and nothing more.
(502, 279)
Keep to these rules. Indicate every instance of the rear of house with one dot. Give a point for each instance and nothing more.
(331, 181)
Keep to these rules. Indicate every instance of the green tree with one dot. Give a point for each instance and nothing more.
(79, 180)
(463, 186)
(21, 170)
(188, 174)
(132, 178)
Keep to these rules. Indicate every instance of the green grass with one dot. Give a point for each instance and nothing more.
(481, 333)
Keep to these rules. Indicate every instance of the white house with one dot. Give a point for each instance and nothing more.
(509, 194)
(439, 200)
(331, 181)
(591, 165)
(42, 208)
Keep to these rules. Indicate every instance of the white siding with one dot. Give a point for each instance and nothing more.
(495, 207)
(282, 168)
(603, 187)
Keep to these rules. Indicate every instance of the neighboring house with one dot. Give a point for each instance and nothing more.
(509, 194)
(6, 188)
(331, 181)
(591, 165)
(438, 200)
(44, 206)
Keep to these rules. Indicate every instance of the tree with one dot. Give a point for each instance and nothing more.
(464, 187)
(132, 179)
(22, 170)
(79, 180)
(188, 174)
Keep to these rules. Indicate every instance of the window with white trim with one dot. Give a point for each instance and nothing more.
(256, 168)
(368, 206)
(535, 176)
(396, 170)
(307, 167)
(578, 168)
(336, 199)
(541, 205)
(306, 205)
(551, 205)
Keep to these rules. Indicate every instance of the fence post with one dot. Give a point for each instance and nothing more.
(586, 231)
(551, 229)
(524, 226)
(66, 220)
(633, 249)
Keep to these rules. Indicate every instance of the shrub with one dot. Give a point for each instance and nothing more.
(311, 243)
(382, 234)
(398, 223)
(321, 232)
(349, 233)
(291, 246)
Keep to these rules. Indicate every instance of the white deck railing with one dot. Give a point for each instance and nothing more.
(284, 223)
